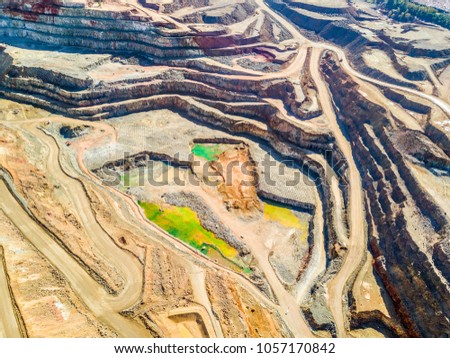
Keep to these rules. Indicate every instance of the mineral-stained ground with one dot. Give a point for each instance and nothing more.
(213, 168)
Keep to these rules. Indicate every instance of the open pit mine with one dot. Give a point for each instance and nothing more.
(215, 168)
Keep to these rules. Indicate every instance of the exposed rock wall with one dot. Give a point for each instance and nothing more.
(113, 31)
(438, 66)
(338, 10)
(411, 49)
(405, 102)
(440, 138)
(5, 61)
(378, 321)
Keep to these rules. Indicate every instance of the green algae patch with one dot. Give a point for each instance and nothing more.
(208, 151)
(184, 224)
(138, 177)
(282, 215)
(285, 217)
(125, 180)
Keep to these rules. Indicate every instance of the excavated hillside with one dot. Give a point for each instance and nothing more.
(196, 168)
(393, 195)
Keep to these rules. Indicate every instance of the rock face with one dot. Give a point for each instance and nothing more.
(420, 147)
(413, 278)
(46, 21)
(5, 61)
(246, 319)
(73, 132)
(405, 102)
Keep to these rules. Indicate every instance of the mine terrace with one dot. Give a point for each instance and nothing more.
(324, 125)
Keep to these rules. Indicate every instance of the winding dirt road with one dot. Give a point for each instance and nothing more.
(357, 238)
(126, 264)
(101, 304)
(442, 104)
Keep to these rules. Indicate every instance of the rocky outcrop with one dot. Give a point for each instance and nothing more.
(6, 61)
(138, 160)
(420, 148)
(307, 20)
(306, 207)
(439, 66)
(405, 102)
(341, 33)
(441, 256)
(337, 10)
(439, 137)
(71, 132)
(411, 49)
(377, 320)
(225, 15)
(173, 6)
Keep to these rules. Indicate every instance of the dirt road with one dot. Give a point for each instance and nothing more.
(442, 104)
(9, 327)
(90, 292)
(126, 264)
(357, 237)
(289, 307)
(317, 264)
(197, 277)
(295, 65)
